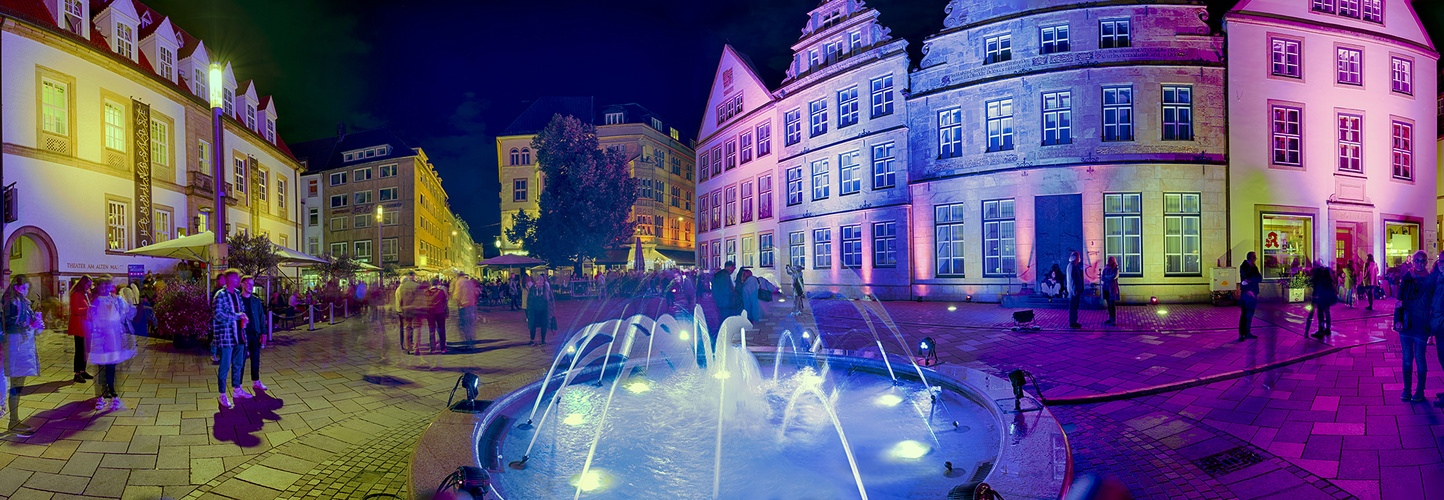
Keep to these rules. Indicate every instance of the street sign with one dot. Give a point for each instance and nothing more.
(136, 272)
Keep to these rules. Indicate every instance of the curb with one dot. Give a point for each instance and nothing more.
(1178, 386)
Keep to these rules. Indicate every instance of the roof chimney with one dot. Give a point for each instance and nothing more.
(340, 131)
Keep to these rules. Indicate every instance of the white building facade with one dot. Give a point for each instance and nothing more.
(108, 140)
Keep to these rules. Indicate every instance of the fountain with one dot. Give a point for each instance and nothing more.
(645, 407)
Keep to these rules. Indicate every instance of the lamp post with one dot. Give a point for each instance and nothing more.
(381, 274)
(217, 141)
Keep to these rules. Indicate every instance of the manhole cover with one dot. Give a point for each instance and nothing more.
(1228, 461)
(385, 380)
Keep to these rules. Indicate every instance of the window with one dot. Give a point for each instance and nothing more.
(312, 188)
(1351, 143)
(731, 216)
(239, 168)
(1057, 118)
(764, 196)
(847, 107)
(515, 157)
(852, 246)
(313, 245)
(614, 118)
(390, 217)
(746, 140)
(854, 41)
(1349, 8)
(338, 223)
(1286, 136)
(764, 139)
(1054, 39)
(948, 225)
(263, 185)
(124, 41)
(820, 179)
(114, 126)
(1123, 231)
(363, 197)
(731, 146)
(362, 174)
(281, 192)
(716, 254)
(361, 221)
(1325, 6)
(797, 250)
(884, 244)
(228, 98)
(55, 107)
(338, 178)
(997, 49)
(1403, 151)
(203, 158)
(74, 12)
(746, 201)
(732, 250)
(1287, 241)
(1285, 58)
(881, 96)
(716, 160)
(729, 109)
(390, 250)
(1403, 75)
(677, 167)
(822, 248)
(794, 186)
(884, 166)
(702, 254)
(818, 111)
(1177, 113)
(338, 248)
(950, 133)
(702, 205)
(792, 125)
(117, 226)
(200, 82)
(676, 197)
(749, 251)
(1000, 125)
(716, 209)
(764, 249)
(1374, 11)
(1114, 34)
(388, 170)
(999, 252)
(338, 200)
(1118, 113)
(1349, 62)
(313, 217)
(389, 194)
(1181, 234)
(704, 173)
(644, 189)
(1402, 240)
(526, 156)
(519, 190)
(850, 172)
(166, 61)
(159, 142)
(812, 59)
(251, 117)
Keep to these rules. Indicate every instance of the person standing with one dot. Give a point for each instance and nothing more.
(463, 295)
(723, 292)
(110, 342)
(746, 295)
(437, 311)
(538, 308)
(1249, 279)
(405, 296)
(1411, 320)
(1347, 281)
(1436, 318)
(1110, 289)
(256, 330)
(79, 308)
(799, 297)
(227, 325)
(1074, 276)
(21, 361)
(1370, 279)
(1324, 298)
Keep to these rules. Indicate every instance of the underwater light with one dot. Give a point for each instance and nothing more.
(574, 419)
(909, 450)
(591, 480)
(638, 387)
(571, 349)
(722, 375)
(683, 335)
(888, 400)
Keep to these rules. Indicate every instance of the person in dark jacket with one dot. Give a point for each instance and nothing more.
(436, 314)
(1325, 296)
(1411, 320)
(1074, 285)
(1110, 289)
(256, 329)
(723, 293)
(1248, 282)
(1436, 318)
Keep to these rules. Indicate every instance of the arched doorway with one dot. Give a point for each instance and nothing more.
(29, 250)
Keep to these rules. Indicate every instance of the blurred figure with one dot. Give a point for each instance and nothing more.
(21, 360)
(464, 292)
(1110, 288)
(1074, 285)
(257, 327)
(110, 342)
(1411, 320)
(1091, 487)
(1436, 318)
(1249, 279)
(1370, 279)
(404, 302)
(1324, 298)
(746, 295)
(539, 309)
(436, 313)
(79, 309)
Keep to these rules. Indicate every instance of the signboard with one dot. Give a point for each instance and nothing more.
(143, 234)
(136, 272)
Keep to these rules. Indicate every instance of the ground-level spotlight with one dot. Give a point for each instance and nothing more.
(927, 352)
(970, 297)
(465, 482)
(471, 383)
(1153, 301)
(1162, 312)
(952, 308)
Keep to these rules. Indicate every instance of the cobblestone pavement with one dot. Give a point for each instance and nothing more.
(345, 405)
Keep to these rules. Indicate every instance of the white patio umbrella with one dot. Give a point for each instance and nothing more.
(194, 247)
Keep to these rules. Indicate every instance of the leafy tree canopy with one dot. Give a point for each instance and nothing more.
(253, 255)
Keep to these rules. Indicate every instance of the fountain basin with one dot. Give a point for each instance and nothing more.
(658, 436)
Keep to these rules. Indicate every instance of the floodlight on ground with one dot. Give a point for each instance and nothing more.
(472, 385)
(466, 482)
(927, 352)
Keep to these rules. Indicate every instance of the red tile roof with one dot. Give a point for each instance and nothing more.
(35, 10)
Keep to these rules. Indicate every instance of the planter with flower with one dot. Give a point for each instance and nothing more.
(183, 314)
(1298, 286)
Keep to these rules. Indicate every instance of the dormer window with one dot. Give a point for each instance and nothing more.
(675, 135)
(165, 62)
(124, 40)
(250, 117)
(74, 17)
(200, 83)
(228, 96)
(657, 124)
(613, 118)
(271, 130)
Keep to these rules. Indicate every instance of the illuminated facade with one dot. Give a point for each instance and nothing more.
(107, 130)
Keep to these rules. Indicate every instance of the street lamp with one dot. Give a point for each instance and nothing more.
(217, 83)
(379, 212)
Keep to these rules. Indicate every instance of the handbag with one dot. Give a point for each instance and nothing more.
(1401, 320)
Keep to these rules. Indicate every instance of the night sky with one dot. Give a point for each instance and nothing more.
(449, 75)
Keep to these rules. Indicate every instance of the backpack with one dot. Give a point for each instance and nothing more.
(764, 295)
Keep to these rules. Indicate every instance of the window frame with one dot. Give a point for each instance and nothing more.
(1180, 104)
(881, 98)
(794, 185)
(117, 225)
(952, 218)
(746, 189)
(850, 246)
(950, 132)
(765, 249)
(995, 245)
(1123, 216)
(343, 176)
(1005, 124)
(1057, 106)
(822, 248)
(50, 113)
(764, 196)
(1053, 39)
(1121, 111)
(817, 116)
(884, 244)
(1182, 215)
(997, 48)
(1350, 142)
(115, 131)
(1402, 150)
(1398, 85)
(792, 126)
(1347, 72)
(1110, 37)
(764, 138)
(821, 179)
(797, 249)
(849, 173)
(1292, 133)
(338, 223)
(884, 166)
(847, 112)
(1281, 49)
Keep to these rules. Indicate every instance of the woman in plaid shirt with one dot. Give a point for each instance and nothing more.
(227, 323)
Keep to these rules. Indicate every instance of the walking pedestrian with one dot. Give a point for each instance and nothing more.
(21, 361)
(1324, 298)
(746, 295)
(1110, 289)
(437, 311)
(723, 292)
(227, 325)
(538, 308)
(111, 341)
(257, 324)
(1370, 279)
(1074, 277)
(1411, 320)
(405, 312)
(1249, 279)
(464, 291)
(1347, 281)
(79, 308)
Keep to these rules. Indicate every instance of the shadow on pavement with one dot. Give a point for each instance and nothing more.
(60, 423)
(240, 424)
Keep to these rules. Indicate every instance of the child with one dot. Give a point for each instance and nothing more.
(110, 340)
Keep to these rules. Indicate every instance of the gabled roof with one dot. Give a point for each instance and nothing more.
(539, 114)
(264, 103)
(34, 10)
(189, 45)
(325, 154)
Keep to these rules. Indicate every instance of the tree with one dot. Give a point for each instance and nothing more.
(253, 255)
(342, 266)
(586, 200)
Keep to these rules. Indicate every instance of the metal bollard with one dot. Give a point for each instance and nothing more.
(311, 316)
(270, 325)
(346, 308)
(331, 313)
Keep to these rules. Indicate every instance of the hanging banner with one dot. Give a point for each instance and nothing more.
(253, 170)
(143, 234)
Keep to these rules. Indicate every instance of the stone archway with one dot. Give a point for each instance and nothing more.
(31, 251)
